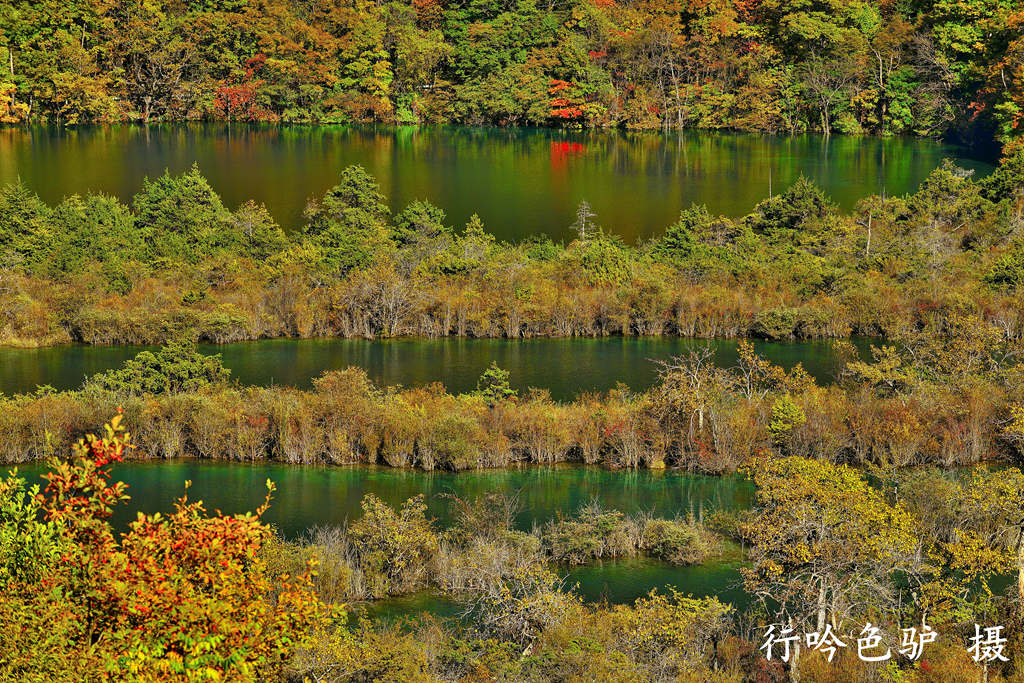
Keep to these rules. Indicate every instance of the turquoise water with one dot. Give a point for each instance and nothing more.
(312, 496)
(309, 496)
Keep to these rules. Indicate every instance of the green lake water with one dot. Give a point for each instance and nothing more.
(617, 582)
(311, 496)
(520, 181)
(564, 366)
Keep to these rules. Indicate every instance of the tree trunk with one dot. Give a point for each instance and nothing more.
(675, 83)
(821, 607)
(867, 248)
(1020, 570)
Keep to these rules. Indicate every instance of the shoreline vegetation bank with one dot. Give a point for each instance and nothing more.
(948, 396)
(176, 263)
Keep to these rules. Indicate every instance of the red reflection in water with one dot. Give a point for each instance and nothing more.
(561, 151)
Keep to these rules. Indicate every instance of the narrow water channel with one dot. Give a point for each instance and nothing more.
(566, 367)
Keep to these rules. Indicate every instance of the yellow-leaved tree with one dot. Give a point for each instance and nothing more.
(824, 545)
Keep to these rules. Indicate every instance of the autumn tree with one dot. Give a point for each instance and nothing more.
(182, 595)
(824, 545)
(970, 537)
(395, 548)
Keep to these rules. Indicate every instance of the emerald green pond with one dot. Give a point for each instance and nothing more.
(618, 582)
(312, 496)
(565, 366)
(520, 181)
(308, 496)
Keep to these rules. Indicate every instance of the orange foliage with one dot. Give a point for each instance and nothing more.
(184, 595)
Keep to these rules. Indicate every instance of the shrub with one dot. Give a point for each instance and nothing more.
(603, 260)
(671, 633)
(395, 549)
(521, 605)
(451, 443)
(592, 534)
(30, 549)
(779, 323)
(182, 595)
(175, 368)
(674, 541)
(337, 578)
(365, 653)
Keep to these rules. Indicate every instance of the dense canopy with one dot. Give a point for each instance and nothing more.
(884, 67)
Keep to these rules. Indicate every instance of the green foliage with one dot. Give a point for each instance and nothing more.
(1007, 181)
(350, 222)
(953, 211)
(23, 230)
(94, 229)
(175, 368)
(786, 416)
(796, 268)
(541, 248)
(256, 233)
(681, 238)
(600, 260)
(776, 323)
(181, 218)
(801, 208)
(29, 547)
(494, 384)
(421, 220)
(1007, 272)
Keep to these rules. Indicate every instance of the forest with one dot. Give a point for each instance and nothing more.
(934, 67)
